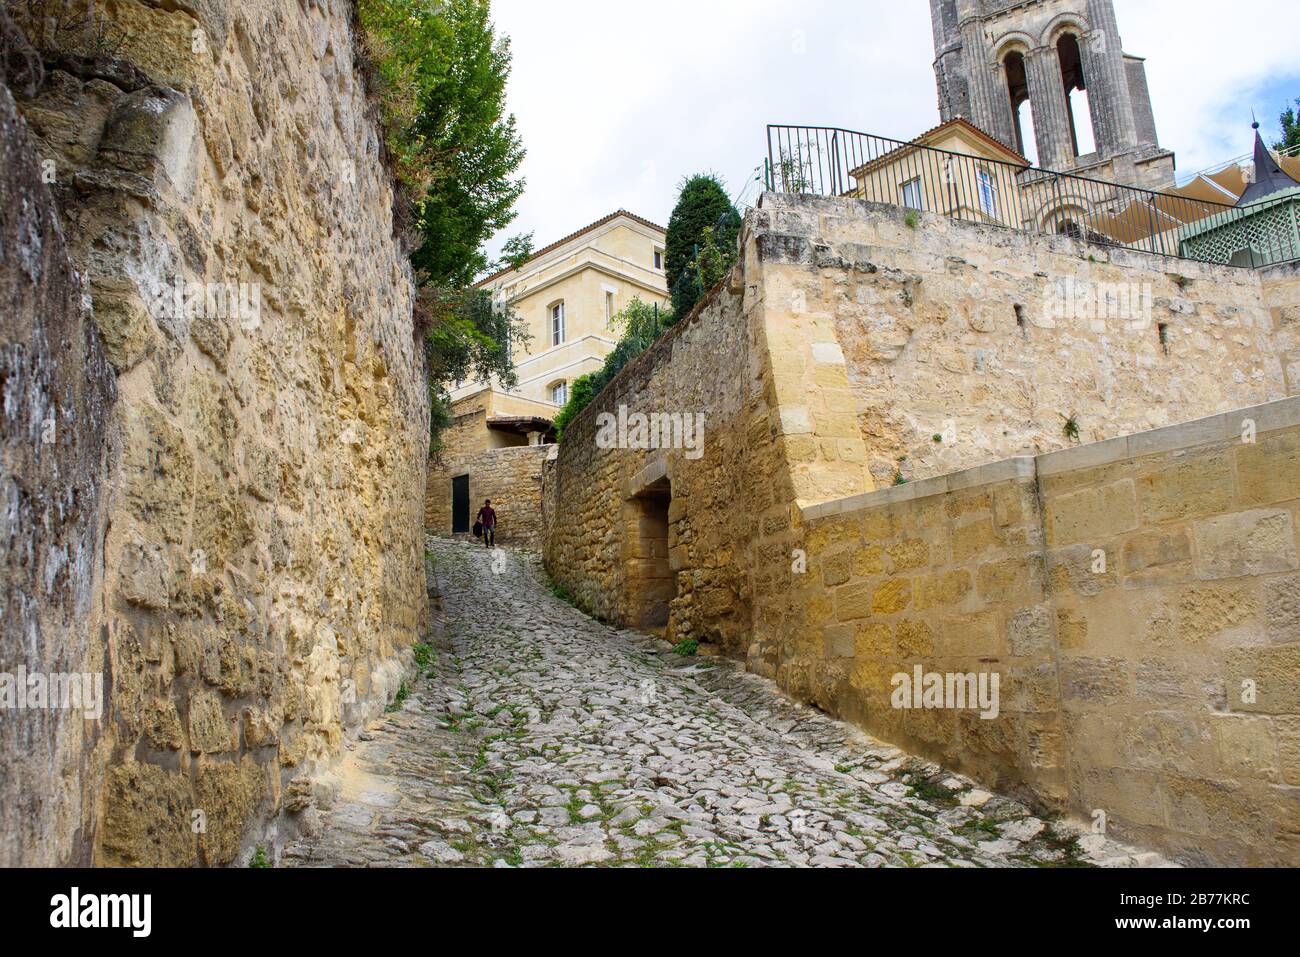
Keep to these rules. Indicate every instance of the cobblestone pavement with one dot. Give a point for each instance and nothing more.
(538, 737)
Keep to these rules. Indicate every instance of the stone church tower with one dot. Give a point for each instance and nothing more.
(999, 62)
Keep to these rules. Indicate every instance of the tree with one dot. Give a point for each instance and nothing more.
(702, 204)
(516, 251)
(1290, 129)
(442, 74)
(467, 336)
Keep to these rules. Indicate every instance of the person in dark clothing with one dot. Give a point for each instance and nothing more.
(487, 517)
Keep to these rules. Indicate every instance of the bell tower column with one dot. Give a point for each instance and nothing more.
(1051, 111)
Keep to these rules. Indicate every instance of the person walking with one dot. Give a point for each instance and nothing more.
(487, 517)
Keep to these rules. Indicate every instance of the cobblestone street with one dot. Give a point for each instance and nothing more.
(539, 737)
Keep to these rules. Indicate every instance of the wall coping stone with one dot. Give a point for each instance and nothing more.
(1224, 427)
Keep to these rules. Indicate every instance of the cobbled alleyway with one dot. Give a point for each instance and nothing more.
(538, 737)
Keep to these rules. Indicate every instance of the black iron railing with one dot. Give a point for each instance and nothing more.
(1013, 195)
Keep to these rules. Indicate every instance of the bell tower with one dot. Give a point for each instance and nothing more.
(1050, 78)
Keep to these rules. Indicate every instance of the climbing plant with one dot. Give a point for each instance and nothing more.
(638, 325)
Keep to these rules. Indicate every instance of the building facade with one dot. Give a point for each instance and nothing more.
(568, 294)
(1058, 67)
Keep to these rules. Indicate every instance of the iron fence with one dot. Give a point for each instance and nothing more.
(826, 161)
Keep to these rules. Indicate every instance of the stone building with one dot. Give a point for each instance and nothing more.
(1060, 66)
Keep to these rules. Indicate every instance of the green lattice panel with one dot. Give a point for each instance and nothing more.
(1272, 233)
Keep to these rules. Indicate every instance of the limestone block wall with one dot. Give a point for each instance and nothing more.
(947, 574)
(1180, 662)
(511, 478)
(1137, 599)
(262, 579)
(967, 344)
(59, 394)
(1281, 289)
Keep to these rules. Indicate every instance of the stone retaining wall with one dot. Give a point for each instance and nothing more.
(1281, 289)
(776, 558)
(1137, 599)
(968, 344)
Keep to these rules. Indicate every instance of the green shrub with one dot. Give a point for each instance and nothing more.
(702, 204)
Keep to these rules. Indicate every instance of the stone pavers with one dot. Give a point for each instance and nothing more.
(538, 737)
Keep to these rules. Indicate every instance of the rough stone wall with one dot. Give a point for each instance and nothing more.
(1281, 291)
(511, 478)
(58, 394)
(952, 330)
(262, 563)
(720, 503)
(782, 555)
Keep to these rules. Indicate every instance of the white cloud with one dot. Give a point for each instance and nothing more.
(617, 101)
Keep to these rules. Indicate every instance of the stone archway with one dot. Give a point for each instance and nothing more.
(651, 584)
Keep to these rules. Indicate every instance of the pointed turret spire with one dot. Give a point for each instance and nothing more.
(1269, 177)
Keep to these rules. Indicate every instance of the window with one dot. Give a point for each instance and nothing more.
(988, 192)
(560, 393)
(609, 308)
(557, 324)
(911, 191)
(659, 259)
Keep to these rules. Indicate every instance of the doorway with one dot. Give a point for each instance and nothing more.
(460, 505)
(652, 585)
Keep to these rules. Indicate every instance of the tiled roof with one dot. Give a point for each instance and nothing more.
(925, 138)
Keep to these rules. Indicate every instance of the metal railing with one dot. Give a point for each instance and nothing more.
(834, 162)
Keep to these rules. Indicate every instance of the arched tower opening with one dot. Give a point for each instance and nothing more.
(1022, 110)
(1078, 107)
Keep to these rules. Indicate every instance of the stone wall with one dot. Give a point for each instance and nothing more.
(511, 478)
(597, 499)
(968, 344)
(948, 574)
(263, 579)
(1281, 289)
(58, 396)
(777, 551)
(1137, 599)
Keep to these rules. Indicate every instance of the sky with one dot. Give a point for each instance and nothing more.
(617, 101)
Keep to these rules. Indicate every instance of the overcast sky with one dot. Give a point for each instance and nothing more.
(618, 100)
